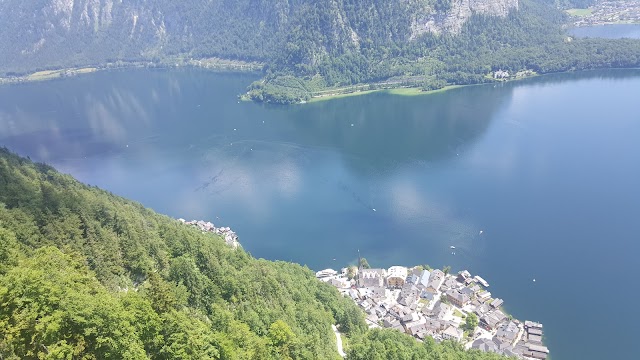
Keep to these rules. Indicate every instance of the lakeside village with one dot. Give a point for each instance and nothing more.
(433, 303)
(230, 237)
(608, 12)
(423, 303)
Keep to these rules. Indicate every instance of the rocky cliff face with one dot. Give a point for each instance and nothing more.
(56, 32)
(452, 20)
(41, 34)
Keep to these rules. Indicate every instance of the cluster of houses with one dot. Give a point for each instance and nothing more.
(610, 12)
(501, 75)
(230, 237)
(432, 303)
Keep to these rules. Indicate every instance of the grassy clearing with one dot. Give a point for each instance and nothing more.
(43, 75)
(54, 74)
(85, 70)
(457, 313)
(412, 91)
(342, 95)
(418, 91)
(580, 12)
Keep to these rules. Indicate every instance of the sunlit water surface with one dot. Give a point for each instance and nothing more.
(547, 168)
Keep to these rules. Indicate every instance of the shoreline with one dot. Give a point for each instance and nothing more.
(226, 234)
(417, 91)
(211, 64)
(608, 23)
(607, 12)
(401, 91)
(332, 94)
(424, 302)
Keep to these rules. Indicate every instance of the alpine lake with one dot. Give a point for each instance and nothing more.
(534, 179)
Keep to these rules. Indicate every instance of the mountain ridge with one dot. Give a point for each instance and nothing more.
(97, 31)
(308, 47)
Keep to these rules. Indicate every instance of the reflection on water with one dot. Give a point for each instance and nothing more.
(366, 167)
(332, 165)
(532, 164)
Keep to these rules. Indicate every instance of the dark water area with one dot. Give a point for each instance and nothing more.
(613, 31)
(548, 168)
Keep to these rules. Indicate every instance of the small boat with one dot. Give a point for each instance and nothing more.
(452, 247)
(480, 232)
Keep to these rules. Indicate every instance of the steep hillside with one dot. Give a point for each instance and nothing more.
(457, 46)
(85, 274)
(55, 33)
(309, 46)
(63, 33)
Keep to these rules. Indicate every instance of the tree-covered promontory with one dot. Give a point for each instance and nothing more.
(531, 39)
(85, 274)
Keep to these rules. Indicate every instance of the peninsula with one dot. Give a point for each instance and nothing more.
(425, 302)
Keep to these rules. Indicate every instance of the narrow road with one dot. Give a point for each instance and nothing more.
(338, 341)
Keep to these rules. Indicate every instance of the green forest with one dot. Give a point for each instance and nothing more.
(308, 46)
(531, 40)
(85, 274)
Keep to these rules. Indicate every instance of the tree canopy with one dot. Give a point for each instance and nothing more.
(307, 46)
(85, 274)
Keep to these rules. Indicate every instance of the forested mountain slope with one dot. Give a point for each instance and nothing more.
(309, 45)
(48, 33)
(85, 274)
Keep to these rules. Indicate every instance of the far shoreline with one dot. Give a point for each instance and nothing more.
(213, 64)
(417, 91)
(401, 91)
(66, 73)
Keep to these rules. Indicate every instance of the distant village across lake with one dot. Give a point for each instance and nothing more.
(424, 302)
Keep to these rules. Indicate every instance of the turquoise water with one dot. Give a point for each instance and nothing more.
(548, 169)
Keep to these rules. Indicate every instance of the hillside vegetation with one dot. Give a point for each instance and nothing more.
(309, 46)
(529, 40)
(85, 274)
